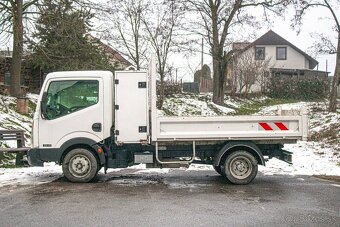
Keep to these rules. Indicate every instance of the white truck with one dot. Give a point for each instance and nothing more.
(86, 120)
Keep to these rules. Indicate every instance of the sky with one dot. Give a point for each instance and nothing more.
(316, 20)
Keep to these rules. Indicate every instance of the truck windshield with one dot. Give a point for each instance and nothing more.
(65, 97)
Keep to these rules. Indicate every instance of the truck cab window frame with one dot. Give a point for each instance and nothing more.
(68, 96)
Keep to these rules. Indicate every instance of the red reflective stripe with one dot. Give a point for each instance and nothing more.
(281, 126)
(265, 126)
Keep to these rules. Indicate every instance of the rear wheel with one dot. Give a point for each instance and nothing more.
(240, 167)
(80, 165)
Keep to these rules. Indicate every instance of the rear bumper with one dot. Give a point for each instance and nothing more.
(33, 156)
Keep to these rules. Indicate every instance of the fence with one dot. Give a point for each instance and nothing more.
(20, 150)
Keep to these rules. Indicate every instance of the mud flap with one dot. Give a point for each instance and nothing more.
(283, 155)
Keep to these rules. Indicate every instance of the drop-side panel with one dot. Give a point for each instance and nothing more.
(131, 106)
(230, 127)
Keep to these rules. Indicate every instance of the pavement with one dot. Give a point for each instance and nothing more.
(173, 198)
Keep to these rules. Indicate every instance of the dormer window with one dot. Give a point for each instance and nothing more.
(281, 53)
(259, 53)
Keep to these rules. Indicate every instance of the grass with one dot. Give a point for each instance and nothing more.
(256, 106)
(246, 106)
(31, 106)
(9, 166)
(6, 160)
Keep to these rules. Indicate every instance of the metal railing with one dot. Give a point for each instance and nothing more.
(19, 137)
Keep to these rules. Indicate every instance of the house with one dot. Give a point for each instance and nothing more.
(267, 57)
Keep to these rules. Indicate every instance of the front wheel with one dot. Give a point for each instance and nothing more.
(80, 165)
(240, 167)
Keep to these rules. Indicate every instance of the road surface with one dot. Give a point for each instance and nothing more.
(177, 198)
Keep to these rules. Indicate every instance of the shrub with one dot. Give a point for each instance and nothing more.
(297, 89)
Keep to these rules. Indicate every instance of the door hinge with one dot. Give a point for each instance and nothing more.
(142, 129)
(117, 107)
(116, 81)
(141, 84)
(117, 132)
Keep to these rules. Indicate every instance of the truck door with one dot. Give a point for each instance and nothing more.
(131, 100)
(74, 109)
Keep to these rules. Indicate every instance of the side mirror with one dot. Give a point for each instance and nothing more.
(43, 105)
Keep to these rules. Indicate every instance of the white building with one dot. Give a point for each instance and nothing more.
(269, 55)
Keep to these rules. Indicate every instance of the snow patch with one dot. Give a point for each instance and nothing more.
(308, 159)
(30, 175)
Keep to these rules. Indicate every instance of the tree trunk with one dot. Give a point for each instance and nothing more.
(162, 84)
(334, 90)
(218, 82)
(15, 88)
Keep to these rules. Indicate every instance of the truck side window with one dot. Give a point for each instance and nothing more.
(65, 97)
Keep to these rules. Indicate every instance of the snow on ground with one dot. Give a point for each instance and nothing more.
(318, 157)
(11, 120)
(309, 158)
(192, 105)
(29, 175)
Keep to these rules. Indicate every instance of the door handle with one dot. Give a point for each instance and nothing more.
(97, 127)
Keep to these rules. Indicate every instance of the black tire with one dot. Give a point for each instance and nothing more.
(80, 165)
(218, 170)
(240, 167)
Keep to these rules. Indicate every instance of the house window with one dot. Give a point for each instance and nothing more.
(259, 53)
(281, 53)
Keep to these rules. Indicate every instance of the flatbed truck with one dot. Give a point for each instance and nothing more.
(88, 120)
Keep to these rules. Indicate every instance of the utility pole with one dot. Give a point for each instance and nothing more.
(202, 55)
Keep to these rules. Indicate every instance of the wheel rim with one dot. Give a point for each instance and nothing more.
(240, 167)
(80, 166)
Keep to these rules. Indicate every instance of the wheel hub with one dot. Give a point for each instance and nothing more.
(80, 165)
(240, 167)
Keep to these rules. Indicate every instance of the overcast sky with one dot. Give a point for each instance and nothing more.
(316, 20)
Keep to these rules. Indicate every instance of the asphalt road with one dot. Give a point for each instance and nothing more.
(177, 198)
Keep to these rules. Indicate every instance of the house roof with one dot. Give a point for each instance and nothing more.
(271, 38)
(114, 53)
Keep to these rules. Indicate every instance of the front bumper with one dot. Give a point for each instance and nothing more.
(33, 156)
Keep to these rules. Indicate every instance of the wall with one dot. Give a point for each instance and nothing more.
(295, 60)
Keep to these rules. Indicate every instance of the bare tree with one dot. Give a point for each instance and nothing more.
(217, 19)
(125, 27)
(325, 45)
(247, 72)
(162, 24)
(11, 23)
